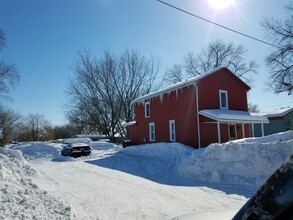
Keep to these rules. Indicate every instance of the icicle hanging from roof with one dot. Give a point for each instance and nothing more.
(161, 97)
(175, 87)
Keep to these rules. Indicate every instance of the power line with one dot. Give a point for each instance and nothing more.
(276, 105)
(214, 23)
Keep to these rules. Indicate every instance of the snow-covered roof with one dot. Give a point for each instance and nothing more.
(176, 87)
(278, 113)
(129, 123)
(233, 116)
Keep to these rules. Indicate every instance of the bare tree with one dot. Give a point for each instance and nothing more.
(103, 88)
(64, 131)
(93, 93)
(9, 77)
(9, 121)
(217, 54)
(80, 120)
(280, 61)
(136, 75)
(34, 128)
(253, 108)
(174, 74)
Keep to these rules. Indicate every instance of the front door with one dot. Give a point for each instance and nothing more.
(232, 132)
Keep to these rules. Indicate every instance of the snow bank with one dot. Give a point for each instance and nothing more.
(166, 151)
(38, 150)
(249, 161)
(45, 150)
(20, 198)
(283, 136)
(100, 145)
(99, 150)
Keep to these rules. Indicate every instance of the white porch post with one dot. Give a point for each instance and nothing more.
(252, 128)
(262, 130)
(243, 131)
(219, 132)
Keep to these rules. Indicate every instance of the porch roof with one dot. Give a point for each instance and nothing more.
(233, 116)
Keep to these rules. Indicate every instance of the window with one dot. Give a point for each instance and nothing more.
(172, 130)
(223, 99)
(147, 109)
(152, 131)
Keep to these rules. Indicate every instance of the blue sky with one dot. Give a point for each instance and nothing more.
(43, 37)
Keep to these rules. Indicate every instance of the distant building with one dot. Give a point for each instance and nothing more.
(197, 112)
(280, 120)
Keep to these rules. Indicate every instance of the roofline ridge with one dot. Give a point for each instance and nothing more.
(179, 85)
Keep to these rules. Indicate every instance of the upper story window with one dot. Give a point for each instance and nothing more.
(147, 109)
(223, 99)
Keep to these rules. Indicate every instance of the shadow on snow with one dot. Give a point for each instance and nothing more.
(163, 172)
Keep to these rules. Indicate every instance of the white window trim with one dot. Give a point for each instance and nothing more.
(226, 94)
(145, 109)
(152, 124)
(172, 132)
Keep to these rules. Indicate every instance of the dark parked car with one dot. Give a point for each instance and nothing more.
(76, 150)
(126, 143)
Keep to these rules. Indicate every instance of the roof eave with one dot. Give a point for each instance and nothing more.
(231, 120)
(183, 84)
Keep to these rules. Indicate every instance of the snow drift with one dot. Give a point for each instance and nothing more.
(38, 150)
(52, 151)
(20, 198)
(242, 162)
(246, 161)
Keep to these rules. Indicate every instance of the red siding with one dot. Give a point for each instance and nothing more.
(208, 89)
(209, 86)
(181, 107)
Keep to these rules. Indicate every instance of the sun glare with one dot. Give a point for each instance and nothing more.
(220, 4)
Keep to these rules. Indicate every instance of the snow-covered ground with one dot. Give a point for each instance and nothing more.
(156, 181)
(20, 198)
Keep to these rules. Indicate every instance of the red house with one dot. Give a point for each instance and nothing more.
(205, 109)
